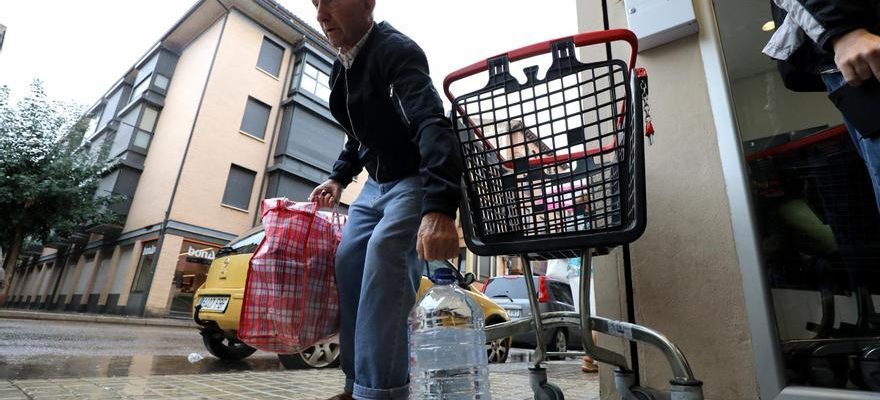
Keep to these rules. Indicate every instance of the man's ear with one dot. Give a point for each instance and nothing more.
(371, 5)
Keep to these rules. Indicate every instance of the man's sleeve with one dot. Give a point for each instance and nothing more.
(420, 108)
(824, 20)
(348, 165)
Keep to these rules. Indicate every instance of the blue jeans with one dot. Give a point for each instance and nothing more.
(869, 149)
(378, 273)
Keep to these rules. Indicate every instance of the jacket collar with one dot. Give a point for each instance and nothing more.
(347, 58)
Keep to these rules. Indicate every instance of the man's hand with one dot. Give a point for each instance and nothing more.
(438, 238)
(327, 194)
(857, 55)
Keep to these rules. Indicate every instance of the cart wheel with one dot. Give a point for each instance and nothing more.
(549, 391)
(643, 393)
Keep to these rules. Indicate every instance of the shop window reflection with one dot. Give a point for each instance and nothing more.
(818, 223)
(191, 272)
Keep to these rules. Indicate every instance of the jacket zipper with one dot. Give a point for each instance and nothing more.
(351, 124)
(400, 103)
(348, 111)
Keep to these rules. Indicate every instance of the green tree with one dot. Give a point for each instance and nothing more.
(47, 179)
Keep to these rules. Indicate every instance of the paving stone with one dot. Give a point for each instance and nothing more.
(508, 382)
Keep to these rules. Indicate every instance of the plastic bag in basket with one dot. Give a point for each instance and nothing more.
(290, 298)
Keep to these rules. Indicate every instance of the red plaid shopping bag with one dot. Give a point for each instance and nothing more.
(290, 299)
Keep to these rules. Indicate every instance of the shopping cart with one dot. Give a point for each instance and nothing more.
(554, 168)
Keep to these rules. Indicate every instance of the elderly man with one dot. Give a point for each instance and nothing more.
(383, 96)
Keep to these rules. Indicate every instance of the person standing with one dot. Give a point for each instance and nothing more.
(835, 43)
(383, 97)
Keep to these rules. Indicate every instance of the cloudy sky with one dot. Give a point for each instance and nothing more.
(66, 43)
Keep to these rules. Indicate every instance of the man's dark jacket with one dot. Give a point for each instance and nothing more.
(394, 120)
(820, 21)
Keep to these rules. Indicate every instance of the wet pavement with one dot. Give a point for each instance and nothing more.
(75, 360)
(32, 349)
(507, 381)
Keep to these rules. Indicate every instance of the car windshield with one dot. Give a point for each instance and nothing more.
(507, 287)
(248, 244)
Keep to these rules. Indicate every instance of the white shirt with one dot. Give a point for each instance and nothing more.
(347, 58)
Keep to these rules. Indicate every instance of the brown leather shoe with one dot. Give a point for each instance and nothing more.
(342, 396)
(589, 366)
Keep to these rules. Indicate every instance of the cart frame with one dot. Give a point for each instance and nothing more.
(543, 245)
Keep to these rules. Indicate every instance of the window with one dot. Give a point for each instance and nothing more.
(239, 185)
(248, 244)
(484, 267)
(271, 54)
(142, 275)
(145, 127)
(92, 129)
(193, 262)
(311, 139)
(514, 288)
(561, 292)
(110, 108)
(148, 120)
(160, 81)
(315, 82)
(256, 117)
(139, 89)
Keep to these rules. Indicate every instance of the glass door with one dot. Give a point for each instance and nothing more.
(137, 297)
(815, 208)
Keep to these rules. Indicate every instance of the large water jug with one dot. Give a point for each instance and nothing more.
(447, 344)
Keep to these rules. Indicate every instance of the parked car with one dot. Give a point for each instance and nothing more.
(217, 306)
(511, 293)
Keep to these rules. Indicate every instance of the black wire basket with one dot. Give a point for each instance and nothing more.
(553, 165)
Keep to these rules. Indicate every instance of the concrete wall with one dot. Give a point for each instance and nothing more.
(217, 142)
(172, 132)
(764, 107)
(686, 276)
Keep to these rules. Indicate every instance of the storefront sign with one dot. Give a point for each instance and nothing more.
(207, 254)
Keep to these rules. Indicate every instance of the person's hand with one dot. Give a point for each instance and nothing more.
(857, 55)
(438, 238)
(327, 194)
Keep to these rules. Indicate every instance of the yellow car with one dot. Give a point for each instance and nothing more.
(217, 306)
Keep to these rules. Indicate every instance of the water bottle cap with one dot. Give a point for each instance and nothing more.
(443, 276)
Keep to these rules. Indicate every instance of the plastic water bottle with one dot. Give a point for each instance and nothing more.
(447, 344)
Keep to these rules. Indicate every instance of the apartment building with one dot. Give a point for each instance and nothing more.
(229, 107)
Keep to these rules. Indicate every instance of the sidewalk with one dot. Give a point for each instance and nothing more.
(508, 381)
(100, 318)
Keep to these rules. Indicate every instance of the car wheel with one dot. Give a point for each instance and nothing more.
(225, 348)
(498, 350)
(559, 343)
(324, 354)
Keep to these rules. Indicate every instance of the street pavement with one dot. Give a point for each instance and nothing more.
(507, 381)
(41, 359)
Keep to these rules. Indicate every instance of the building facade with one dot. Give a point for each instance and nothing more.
(229, 107)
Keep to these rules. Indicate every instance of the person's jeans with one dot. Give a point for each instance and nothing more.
(378, 273)
(869, 149)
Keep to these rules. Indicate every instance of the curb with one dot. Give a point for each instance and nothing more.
(103, 319)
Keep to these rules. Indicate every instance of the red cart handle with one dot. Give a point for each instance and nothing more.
(583, 39)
